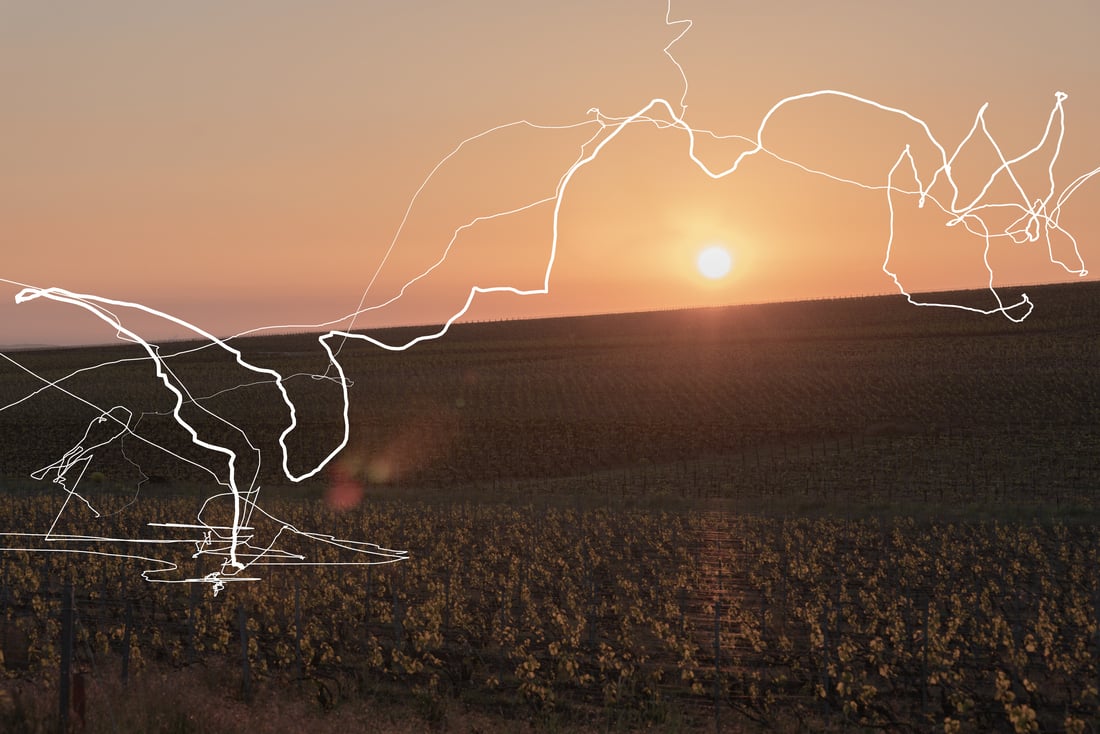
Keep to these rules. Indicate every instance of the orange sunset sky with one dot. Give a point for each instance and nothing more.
(247, 164)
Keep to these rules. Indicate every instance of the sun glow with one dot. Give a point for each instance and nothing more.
(714, 262)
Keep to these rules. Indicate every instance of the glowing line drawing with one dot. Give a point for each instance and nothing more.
(81, 454)
(1038, 218)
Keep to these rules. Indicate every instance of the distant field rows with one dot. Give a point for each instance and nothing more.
(820, 515)
(932, 393)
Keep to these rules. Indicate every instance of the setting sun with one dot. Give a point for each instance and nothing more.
(714, 262)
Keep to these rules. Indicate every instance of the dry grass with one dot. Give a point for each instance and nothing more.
(207, 700)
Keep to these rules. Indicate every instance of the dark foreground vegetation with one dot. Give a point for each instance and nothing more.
(834, 515)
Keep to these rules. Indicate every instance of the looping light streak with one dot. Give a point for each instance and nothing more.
(1038, 217)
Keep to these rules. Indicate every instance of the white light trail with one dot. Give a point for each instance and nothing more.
(1038, 218)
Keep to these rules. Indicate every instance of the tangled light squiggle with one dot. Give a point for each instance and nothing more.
(235, 543)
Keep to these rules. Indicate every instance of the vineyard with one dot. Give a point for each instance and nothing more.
(819, 516)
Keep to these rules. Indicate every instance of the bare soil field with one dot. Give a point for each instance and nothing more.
(820, 515)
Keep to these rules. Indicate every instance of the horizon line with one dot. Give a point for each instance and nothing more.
(550, 317)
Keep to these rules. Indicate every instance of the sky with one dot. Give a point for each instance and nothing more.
(250, 164)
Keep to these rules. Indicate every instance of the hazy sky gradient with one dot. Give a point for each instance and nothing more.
(247, 164)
